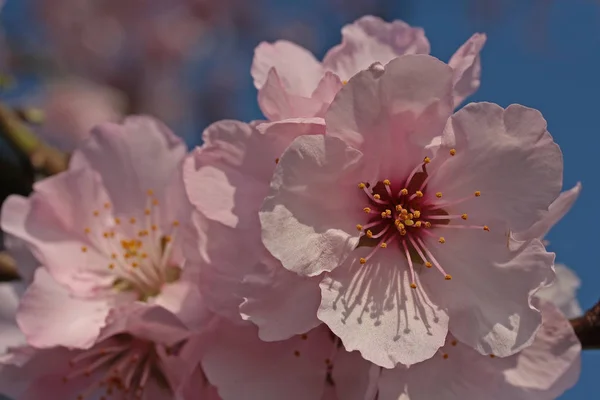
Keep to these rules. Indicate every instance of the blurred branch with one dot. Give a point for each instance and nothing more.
(42, 156)
(8, 268)
(587, 328)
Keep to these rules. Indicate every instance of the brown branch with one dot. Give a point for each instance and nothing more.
(587, 328)
(42, 156)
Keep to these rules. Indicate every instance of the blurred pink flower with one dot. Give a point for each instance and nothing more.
(292, 83)
(138, 354)
(73, 107)
(108, 230)
(542, 371)
(378, 243)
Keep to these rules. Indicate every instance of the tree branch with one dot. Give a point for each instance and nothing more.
(587, 328)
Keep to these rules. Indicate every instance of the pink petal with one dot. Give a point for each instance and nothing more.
(563, 291)
(49, 316)
(370, 39)
(237, 162)
(391, 114)
(281, 303)
(297, 67)
(10, 334)
(507, 155)
(372, 308)
(557, 210)
(466, 64)
(328, 87)
(309, 219)
(242, 366)
(277, 103)
(352, 376)
(184, 300)
(488, 298)
(139, 155)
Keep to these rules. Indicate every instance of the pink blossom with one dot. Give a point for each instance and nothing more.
(73, 107)
(139, 354)
(542, 371)
(410, 229)
(292, 83)
(308, 366)
(226, 180)
(108, 230)
(10, 334)
(563, 291)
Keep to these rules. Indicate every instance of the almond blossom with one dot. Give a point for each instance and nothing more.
(107, 230)
(292, 83)
(410, 229)
(138, 355)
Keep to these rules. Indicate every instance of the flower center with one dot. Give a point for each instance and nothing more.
(122, 363)
(403, 212)
(138, 249)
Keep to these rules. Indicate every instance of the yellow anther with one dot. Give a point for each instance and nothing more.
(107, 205)
(96, 213)
(132, 220)
(442, 240)
(367, 210)
(344, 82)
(134, 264)
(404, 192)
(427, 224)
(147, 211)
(369, 234)
(113, 256)
(144, 255)
(428, 264)
(376, 196)
(464, 216)
(118, 221)
(277, 161)
(383, 245)
(106, 235)
(426, 160)
(445, 356)
(361, 185)
(111, 266)
(454, 343)
(167, 239)
(413, 285)
(83, 249)
(154, 227)
(363, 260)
(403, 232)
(387, 182)
(359, 227)
(448, 277)
(399, 208)
(452, 152)
(419, 193)
(87, 230)
(404, 211)
(150, 192)
(417, 214)
(418, 224)
(409, 222)
(154, 202)
(383, 214)
(400, 225)
(492, 356)
(486, 228)
(388, 212)
(438, 195)
(410, 216)
(175, 223)
(477, 193)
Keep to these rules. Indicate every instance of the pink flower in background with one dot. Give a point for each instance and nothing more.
(108, 230)
(138, 355)
(227, 180)
(73, 107)
(309, 366)
(412, 229)
(292, 83)
(542, 371)
(10, 334)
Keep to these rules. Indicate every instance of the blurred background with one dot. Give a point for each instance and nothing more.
(79, 62)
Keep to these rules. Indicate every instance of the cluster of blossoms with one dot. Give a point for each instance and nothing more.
(365, 242)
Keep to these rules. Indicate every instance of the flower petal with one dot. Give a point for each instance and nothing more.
(392, 114)
(49, 316)
(563, 291)
(370, 39)
(309, 219)
(372, 308)
(139, 155)
(10, 334)
(466, 64)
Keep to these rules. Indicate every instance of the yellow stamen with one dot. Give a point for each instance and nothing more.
(448, 277)
(175, 223)
(363, 260)
(427, 224)
(376, 196)
(464, 216)
(367, 210)
(413, 285)
(344, 82)
(403, 232)
(419, 193)
(399, 208)
(417, 214)
(404, 192)
(118, 221)
(452, 152)
(361, 185)
(445, 356)
(132, 220)
(418, 224)
(387, 182)
(477, 193)
(383, 245)
(383, 215)
(426, 160)
(438, 195)
(107, 205)
(442, 240)
(96, 213)
(111, 266)
(409, 222)
(359, 227)
(369, 234)
(154, 202)
(492, 356)
(428, 264)
(147, 211)
(454, 343)
(83, 249)
(150, 192)
(87, 230)
(486, 228)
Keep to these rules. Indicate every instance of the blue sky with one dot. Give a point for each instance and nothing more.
(552, 65)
